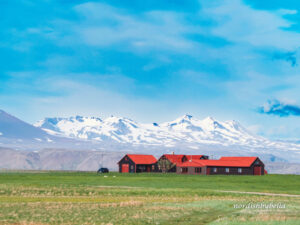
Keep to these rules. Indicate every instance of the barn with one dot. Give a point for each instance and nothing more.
(223, 166)
(135, 163)
(168, 162)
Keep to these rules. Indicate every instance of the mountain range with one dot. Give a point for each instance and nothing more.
(185, 134)
(185, 129)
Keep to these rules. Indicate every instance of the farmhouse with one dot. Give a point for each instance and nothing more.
(224, 166)
(134, 163)
(168, 162)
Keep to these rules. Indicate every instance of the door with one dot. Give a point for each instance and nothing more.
(257, 170)
(148, 169)
(125, 168)
(207, 170)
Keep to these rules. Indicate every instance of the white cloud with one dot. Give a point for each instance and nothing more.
(284, 12)
(239, 23)
(102, 25)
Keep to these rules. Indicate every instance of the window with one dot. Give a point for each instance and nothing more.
(184, 169)
(239, 170)
(143, 168)
(214, 169)
(153, 167)
(227, 170)
(198, 170)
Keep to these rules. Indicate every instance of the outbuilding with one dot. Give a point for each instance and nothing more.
(224, 166)
(135, 163)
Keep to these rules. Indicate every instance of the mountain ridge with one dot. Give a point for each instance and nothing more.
(185, 128)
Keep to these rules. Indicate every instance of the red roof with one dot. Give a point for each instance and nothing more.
(191, 164)
(192, 157)
(224, 161)
(175, 159)
(246, 160)
(142, 159)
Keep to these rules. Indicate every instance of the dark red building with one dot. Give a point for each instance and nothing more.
(135, 163)
(224, 166)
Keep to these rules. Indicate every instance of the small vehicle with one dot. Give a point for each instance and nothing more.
(103, 170)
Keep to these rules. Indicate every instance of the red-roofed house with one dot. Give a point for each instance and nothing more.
(135, 163)
(225, 166)
(168, 162)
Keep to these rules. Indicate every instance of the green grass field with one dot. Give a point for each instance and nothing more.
(88, 198)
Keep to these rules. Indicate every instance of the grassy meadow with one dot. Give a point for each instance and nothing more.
(88, 198)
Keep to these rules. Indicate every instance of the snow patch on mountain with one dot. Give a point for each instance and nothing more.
(185, 129)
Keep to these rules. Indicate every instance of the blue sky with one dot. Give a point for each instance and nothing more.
(153, 61)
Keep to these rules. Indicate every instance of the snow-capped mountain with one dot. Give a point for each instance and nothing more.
(185, 129)
(184, 134)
